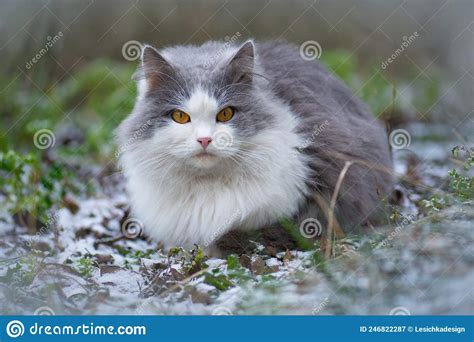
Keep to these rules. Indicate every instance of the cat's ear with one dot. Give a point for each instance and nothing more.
(155, 69)
(240, 67)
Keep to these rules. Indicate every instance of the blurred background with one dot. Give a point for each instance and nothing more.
(440, 60)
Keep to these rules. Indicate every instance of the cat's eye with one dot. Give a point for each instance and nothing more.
(225, 115)
(180, 117)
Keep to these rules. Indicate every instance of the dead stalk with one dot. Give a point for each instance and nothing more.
(332, 205)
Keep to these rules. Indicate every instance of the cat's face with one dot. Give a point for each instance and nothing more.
(199, 117)
(200, 131)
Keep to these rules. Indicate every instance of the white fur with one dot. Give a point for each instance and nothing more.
(188, 199)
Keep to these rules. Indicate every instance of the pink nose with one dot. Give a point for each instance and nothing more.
(205, 141)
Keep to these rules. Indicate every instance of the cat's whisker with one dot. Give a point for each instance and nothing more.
(154, 163)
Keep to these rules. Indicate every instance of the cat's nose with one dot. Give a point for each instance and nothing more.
(205, 141)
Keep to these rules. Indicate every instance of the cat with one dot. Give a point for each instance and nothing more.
(228, 137)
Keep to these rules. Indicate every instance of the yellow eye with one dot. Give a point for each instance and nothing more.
(180, 117)
(225, 115)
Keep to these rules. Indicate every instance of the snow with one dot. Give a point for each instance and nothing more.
(426, 268)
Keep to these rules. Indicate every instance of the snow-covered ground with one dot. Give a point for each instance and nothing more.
(90, 260)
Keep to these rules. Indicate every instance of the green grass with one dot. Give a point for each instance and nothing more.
(94, 100)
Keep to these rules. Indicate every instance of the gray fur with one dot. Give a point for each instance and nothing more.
(353, 132)
(313, 94)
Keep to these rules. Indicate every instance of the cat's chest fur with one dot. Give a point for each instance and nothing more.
(182, 211)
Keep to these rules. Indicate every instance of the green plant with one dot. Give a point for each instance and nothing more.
(292, 229)
(219, 281)
(31, 186)
(460, 183)
(22, 273)
(435, 203)
(85, 266)
(233, 262)
(195, 262)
